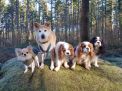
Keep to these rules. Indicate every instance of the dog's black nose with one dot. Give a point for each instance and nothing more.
(42, 36)
(67, 53)
(87, 49)
(24, 54)
(98, 42)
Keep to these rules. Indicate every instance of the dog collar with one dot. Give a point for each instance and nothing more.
(45, 51)
(44, 42)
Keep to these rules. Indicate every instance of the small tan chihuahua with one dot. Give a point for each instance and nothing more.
(28, 58)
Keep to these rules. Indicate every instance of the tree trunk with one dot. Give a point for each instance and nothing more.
(84, 20)
(27, 21)
(12, 22)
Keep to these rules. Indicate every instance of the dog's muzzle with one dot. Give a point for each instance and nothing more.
(86, 50)
(98, 43)
(43, 36)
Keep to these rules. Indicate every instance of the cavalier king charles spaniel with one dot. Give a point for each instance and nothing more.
(84, 54)
(98, 45)
(61, 54)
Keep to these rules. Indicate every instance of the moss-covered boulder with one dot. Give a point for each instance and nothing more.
(105, 78)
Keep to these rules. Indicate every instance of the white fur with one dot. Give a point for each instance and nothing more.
(29, 56)
(66, 46)
(37, 61)
(96, 43)
(32, 65)
(58, 65)
(64, 60)
(73, 66)
(39, 34)
(40, 41)
(42, 57)
(86, 43)
(85, 58)
(52, 65)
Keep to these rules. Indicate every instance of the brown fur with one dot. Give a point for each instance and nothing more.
(91, 53)
(53, 55)
(38, 25)
(72, 51)
(61, 51)
(79, 53)
(47, 26)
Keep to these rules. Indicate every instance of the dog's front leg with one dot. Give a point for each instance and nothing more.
(52, 65)
(58, 65)
(66, 64)
(73, 64)
(95, 60)
(87, 64)
(32, 66)
(26, 68)
(42, 61)
(37, 61)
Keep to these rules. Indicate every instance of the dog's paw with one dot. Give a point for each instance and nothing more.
(51, 67)
(42, 66)
(57, 69)
(25, 71)
(67, 66)
(97, 65)
(73, 67)
(88, 68)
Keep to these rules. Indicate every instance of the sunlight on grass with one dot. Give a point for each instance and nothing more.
(105, 78)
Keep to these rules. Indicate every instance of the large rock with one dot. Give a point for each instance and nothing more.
(115, 60)
(105, 78)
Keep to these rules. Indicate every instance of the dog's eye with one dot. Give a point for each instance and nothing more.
(39, 30)
(22, 53)
(27, 52)
(45, 30)
(84, 46)
(64, 50)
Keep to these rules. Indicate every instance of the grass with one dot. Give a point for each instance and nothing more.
(105, 78)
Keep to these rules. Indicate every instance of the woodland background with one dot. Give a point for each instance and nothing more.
(72, 20)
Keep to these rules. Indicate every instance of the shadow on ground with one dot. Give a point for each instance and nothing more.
(105, 78)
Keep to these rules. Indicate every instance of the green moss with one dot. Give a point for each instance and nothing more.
(105, 78)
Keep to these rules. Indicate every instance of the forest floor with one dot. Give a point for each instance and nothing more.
(105, 78)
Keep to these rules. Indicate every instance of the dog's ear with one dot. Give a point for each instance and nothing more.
(48, 24)
(18, 51)
(92, 40)
(36, 25)
(30, 49)
(61, 51)
(79, 49)
(72, 52)
(92, 53)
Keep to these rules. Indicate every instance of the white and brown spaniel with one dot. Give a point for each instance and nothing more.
(84, 54)
(98, 45)
(61, 54)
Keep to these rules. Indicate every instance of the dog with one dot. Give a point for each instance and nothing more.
(61, 54)
(98, 45)
(84, 54)
(28, 58)
(45, 38)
